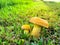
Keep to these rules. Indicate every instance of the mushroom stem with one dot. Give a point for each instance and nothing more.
(36, 31)
(26, 31)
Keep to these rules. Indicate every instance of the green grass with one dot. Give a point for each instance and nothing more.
(15, 13)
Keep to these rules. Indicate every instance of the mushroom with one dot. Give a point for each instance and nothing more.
(26, 28)
(37, 23)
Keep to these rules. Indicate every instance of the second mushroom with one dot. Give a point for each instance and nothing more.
(26, 28)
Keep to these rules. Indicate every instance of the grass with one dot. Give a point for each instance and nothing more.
(14, 14)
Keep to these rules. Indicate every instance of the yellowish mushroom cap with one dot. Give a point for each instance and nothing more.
(39, 21)
(26, 27)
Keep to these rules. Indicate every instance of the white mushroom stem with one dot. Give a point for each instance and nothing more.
(36, 31)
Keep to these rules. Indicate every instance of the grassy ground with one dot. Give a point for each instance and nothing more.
(14, 14)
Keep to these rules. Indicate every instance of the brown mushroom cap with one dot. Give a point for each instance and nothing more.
(26, 27)
(39, 21)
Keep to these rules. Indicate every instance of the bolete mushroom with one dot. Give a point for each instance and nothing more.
(26, 28)
(37, 23)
